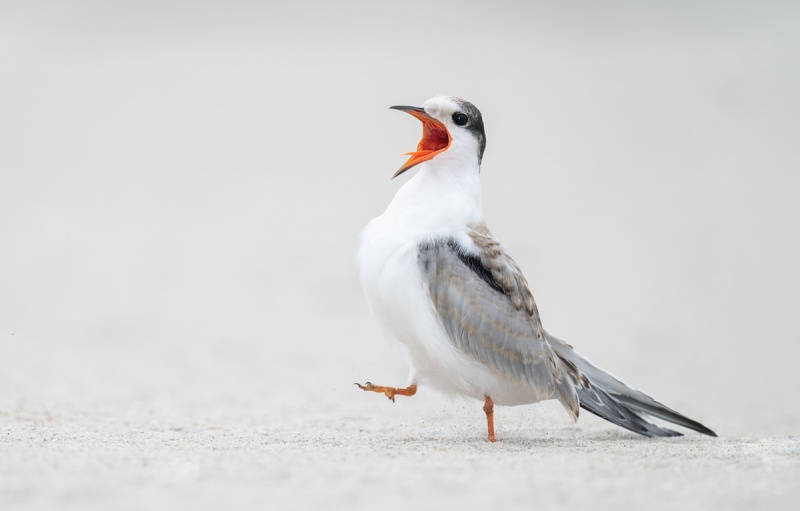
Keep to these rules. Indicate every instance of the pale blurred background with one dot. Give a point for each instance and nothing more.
(182, 185)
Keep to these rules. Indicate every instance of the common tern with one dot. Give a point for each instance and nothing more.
(458, 305)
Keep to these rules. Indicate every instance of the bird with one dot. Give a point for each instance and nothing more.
(450, 295)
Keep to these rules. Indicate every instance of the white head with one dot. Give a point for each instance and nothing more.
(452, 129)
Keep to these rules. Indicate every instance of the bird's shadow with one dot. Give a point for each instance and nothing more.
(520, 442)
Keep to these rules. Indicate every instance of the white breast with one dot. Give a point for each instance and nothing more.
(429, 206)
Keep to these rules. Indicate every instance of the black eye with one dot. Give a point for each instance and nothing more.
(460, 119)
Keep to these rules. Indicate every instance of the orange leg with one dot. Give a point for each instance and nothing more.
(390, 392)
(488, 407)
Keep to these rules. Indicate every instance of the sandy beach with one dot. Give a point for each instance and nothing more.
(181, 191)
(215, 432)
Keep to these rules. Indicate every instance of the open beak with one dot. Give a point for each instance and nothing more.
(435, 138)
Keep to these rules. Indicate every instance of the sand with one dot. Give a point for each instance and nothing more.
(215, 426)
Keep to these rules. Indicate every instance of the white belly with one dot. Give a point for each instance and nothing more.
(398, 299)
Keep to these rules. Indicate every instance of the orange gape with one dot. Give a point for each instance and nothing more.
(389, 391)
(435, 139)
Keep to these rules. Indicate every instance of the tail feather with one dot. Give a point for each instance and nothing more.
(605, 396)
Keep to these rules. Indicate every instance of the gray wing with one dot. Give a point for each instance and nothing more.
(484, 304)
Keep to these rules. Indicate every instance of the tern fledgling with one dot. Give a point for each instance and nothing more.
(458, 304)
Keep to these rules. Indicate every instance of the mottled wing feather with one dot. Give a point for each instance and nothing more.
(484, 304)
(505, 272)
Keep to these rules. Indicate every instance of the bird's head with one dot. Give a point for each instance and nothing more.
(451, 128)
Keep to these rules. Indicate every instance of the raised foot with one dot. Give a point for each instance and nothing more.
(389, 392)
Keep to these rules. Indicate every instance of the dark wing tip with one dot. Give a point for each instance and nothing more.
(663, 412)
(607, 407)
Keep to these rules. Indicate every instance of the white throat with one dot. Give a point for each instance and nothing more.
(444, 198)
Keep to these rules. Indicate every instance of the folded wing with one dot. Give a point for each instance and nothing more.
(484, 304)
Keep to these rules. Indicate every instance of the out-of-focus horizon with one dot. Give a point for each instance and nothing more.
(182, 185)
